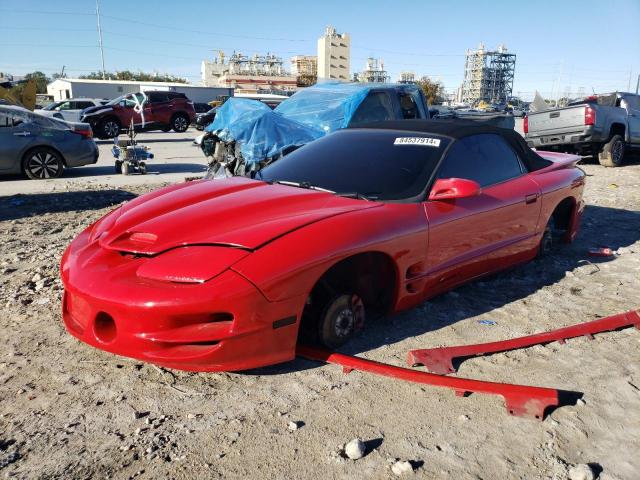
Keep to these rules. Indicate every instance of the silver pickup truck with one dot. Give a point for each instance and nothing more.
(602, 126)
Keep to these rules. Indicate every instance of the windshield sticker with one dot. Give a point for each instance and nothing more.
(424, 141)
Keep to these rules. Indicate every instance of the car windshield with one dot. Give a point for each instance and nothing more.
(115, 101)
(363, 163)
(52, 106)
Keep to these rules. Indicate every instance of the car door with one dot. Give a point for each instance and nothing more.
(632, 105)
(473, 236)
(15, 138)
(158, 108)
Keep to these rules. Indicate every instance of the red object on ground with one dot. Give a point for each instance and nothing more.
(440, 360)
(601, 252)
(520, 400)
(215, 275)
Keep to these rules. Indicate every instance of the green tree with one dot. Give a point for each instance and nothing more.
(136, 76)
(41, 80)
(433, 90)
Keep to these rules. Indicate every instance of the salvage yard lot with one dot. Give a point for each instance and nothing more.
(68, 410)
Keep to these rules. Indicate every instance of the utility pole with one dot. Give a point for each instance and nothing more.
(100, 39)
(638, 84)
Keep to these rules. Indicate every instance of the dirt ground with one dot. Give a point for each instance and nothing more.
(70, 411)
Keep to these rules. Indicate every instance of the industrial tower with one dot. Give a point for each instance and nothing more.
(488, 75)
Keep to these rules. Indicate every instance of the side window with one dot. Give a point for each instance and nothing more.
(632, 101)
(83, 105)
(485, 158)
(408, 106)
(157, 97)
(5, 120)
(376, 107)
(65, 106)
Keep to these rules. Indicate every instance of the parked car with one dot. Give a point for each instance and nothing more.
(71, 109)
(42, 147)
(204, 119)
(602, 126)
(200, 107)
(228, 274)
(158, 110)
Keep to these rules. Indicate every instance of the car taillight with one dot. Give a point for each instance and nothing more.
(589, 116)
(86, 133)
(525, 125)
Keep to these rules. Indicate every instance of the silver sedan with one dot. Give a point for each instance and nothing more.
(42, 147)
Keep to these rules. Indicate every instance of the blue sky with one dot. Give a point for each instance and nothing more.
(560, 45)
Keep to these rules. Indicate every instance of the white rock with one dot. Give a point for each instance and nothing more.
(293, 426)
(401, 467)
(355, 449)
(582, 471)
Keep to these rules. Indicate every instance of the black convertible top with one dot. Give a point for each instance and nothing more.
(456, 129)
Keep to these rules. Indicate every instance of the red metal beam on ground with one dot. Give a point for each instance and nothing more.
(520, 400)
(440, 360)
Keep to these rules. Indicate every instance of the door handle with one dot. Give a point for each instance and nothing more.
(531, 198)
(22, 134)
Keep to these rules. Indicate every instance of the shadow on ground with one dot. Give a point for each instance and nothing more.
(23, 206)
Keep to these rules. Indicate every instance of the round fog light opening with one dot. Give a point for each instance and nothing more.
(105, 328)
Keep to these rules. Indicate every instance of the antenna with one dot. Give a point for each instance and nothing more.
(100, 39)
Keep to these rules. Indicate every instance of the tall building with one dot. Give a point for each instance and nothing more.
(373, 72)
(305, 69)
(334, 52)
(488, 75)
(258, 73)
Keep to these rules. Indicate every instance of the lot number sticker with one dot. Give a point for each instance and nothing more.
(424, 141)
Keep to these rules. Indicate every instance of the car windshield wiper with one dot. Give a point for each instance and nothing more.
(306, 185)
(360, 196)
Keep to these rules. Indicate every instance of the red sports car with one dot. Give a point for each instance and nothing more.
(229, 274)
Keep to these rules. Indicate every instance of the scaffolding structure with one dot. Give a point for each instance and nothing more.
(374, 72)
(488, 75)
(269, 65)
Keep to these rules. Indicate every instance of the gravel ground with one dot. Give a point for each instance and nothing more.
(70, 411)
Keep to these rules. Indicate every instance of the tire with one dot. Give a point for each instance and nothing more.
(142, 168)
(125, 168)
(180, 123)
(342, 317)
(118, 166)
(548, 240)
(109, 128)
(613, 152)
(42, 163)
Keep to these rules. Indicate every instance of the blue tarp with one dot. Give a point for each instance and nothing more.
(309, 114)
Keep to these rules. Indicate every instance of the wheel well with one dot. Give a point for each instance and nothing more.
(182, 114)
(26, 154)
(617, 129)
(563, 213)
(371, 275)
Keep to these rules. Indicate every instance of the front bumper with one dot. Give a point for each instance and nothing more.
(223, 324)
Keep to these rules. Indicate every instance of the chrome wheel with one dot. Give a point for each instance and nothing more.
(42, 164)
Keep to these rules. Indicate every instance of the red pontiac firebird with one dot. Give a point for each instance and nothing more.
(228, 274)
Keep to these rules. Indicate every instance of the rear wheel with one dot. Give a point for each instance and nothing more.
(109, 128)
(43, 163)
(612, 152)
(549, 239)
(180, 123)
(342, 317)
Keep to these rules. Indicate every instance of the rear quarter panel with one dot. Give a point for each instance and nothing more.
(557, 185)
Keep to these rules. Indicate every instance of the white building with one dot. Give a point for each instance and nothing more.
(304, 65)
(63, 88)
(334, 53)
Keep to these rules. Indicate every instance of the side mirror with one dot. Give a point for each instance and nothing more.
(452, 188)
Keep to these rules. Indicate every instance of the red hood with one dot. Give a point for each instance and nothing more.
(235, 212)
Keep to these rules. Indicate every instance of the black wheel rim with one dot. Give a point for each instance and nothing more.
(350, 319)
(43, 165)
(617, 151)
(111, 129)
